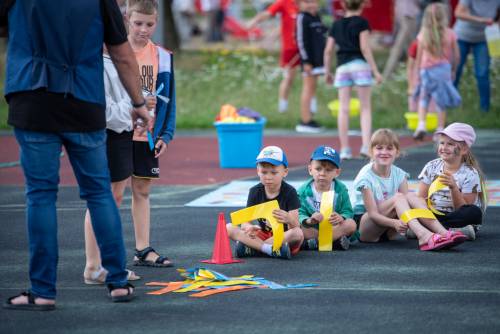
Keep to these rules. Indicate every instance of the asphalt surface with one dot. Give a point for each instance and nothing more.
(383, 288)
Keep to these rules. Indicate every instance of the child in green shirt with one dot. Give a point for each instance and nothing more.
(324, 167)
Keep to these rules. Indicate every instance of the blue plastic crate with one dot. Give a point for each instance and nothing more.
(239, 143)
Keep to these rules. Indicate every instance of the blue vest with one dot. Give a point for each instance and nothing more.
(57, 45)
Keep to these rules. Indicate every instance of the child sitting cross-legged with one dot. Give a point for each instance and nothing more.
(324, 167)
(384, 208)
(252, 240)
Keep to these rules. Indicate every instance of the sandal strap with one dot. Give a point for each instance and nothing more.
(127, 286)
(31, 297)
(161, 259)
(142, 254)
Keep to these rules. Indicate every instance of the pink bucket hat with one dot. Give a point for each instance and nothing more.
(460, 132)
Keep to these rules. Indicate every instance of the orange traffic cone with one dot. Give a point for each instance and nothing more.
(221, 253)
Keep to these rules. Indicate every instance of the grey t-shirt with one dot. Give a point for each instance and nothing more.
(473, 32)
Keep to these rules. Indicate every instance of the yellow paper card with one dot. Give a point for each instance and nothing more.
(325, 236)
(264, 211)
(435, 186)
(416, 213)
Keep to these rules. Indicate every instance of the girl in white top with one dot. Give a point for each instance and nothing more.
(382, 198)
(461, 202)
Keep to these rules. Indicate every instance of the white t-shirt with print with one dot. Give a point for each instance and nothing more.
(466, 178)
(382, 188)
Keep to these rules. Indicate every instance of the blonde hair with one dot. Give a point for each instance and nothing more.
(433, 29)
(146, 7)
(470, 160)
(384, 137)
(353, 4)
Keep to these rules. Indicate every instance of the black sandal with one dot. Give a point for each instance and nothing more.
(31, 306)
(121, 299)
(141, 256)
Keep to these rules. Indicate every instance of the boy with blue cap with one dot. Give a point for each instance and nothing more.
(272, 168)
(324, 167)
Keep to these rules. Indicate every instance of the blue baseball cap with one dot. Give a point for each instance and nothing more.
(273, 155)
(326, 153)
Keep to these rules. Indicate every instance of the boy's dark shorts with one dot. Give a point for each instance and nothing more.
(119, 150)
(145, 163)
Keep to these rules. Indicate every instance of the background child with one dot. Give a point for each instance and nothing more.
(272, 168)
(310, 37)
(437, 59)
(412, 78)
(382, 197)
(324, 167)
(289, 56)
(457, 168)
(156, 68)
(355, 65)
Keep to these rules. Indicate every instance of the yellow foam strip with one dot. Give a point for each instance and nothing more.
(416, 213)
(234, 282)
(325, 236)
(264, 211)
(435, 186)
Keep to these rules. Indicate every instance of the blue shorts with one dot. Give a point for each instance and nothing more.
(354, 73)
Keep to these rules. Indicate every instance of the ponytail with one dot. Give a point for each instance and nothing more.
(470, 160)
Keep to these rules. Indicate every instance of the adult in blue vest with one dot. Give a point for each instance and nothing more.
(54, 87)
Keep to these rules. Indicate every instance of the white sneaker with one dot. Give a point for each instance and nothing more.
(345, 153)
(468, 231)
(311, 127)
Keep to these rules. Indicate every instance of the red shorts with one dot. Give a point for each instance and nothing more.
(264, 235)
(290, 58)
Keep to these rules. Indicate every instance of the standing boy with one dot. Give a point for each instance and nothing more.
(324, 168)
(272, 168)
(157, 77)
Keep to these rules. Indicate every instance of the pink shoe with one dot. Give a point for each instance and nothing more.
(436, 242)
(456, 237)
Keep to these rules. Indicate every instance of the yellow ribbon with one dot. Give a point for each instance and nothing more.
(416, 213)
(264, 211)
(325, 235)
(434, 187)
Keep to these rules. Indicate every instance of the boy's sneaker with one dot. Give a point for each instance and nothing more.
(468, 231)
(342, 244)
(345, 153)
(283, 252)
(309, 244)
(310, 127)
(243, 250)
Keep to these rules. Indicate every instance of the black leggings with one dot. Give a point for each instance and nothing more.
(466, 215)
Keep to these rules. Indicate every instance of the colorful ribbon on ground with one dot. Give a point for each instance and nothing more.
(205, 282)
(325, 234)
(264, 211)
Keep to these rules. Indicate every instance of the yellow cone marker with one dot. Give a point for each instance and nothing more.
(325, 236)
(264, 211)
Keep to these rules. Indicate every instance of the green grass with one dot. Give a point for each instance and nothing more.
(205, 80)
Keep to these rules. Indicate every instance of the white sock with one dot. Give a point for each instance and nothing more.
(267, 249)
(282, 105)
(314, 105)
(421, 125)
